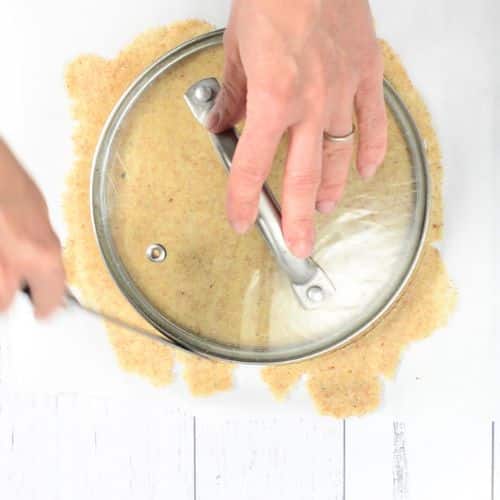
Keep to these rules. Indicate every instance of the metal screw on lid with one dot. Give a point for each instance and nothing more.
(156, 253)
(315, 294)
(203, 93)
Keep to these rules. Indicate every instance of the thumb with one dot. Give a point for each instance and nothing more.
(230, 104)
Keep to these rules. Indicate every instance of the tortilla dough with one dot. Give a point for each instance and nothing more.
(342, 383)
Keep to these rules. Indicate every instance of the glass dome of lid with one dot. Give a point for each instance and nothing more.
(158, 208)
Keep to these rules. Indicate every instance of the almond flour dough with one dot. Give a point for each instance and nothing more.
(342, 383)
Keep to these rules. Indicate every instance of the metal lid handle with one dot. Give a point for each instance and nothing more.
(309, 282)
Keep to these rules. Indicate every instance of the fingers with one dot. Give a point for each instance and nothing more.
(372, 125)
(336, 155)
(8, 287)
(44, 273)
(30, 252)
(300, 187)
(251, 165)
(40, 267)
(229, 106)
(47, 289)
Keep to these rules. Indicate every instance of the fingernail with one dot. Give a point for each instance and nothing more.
(241, 227)
(326, 206)
(301, 248)
(213, 120)
(368, 171)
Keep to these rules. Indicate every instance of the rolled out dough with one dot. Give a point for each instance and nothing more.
(345, 382)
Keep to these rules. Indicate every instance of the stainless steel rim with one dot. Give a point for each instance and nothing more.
(179, 337)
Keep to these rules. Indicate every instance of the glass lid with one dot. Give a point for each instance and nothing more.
(158, 192)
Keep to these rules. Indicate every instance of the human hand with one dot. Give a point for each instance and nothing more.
(30, 252)
(301, 66)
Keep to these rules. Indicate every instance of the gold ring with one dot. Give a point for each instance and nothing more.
(340, 138)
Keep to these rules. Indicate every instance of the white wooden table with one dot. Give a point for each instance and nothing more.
(63, 438)
(68, 446)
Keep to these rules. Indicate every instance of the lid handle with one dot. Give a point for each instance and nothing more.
(309, 282)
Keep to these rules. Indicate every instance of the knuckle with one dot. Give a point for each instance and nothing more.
(272, 114)
(373, 151)
(280, 85)
(368, 87)
(230, 91)
(331, 189)
(276, 123)
(232, 53)
(333, 151)
(342, 91)
(244, 190)
(377, 144)
(377, 61)
(371, 84)
(231, 61)
(316, 91)
(303, 182)
(297, 223)
(246, 175)
(373, 61)
(46, 253)
(317, 110)
(372, 119)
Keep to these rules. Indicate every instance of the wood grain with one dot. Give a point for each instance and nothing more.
(425, 458)
(296, 459)
(62, 447)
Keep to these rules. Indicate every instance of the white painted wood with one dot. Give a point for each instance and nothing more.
(449, 458)
(430, 459)
(70, 447)
(369, 459)
(296, 459)
(399, 462)
(495, 469)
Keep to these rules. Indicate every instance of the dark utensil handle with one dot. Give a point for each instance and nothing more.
(26, 290)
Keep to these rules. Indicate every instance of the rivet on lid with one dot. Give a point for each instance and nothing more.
(156, 253)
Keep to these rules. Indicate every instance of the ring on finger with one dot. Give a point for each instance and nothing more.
(340, 138)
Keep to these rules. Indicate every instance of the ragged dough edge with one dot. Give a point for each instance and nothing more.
(348, 381)
(94, 85)
(342, 383)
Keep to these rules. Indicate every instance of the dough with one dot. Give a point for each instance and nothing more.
(188, 217)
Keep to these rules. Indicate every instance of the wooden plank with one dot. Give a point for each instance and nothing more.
(292, 458)
(422, 458)
(495, 461)
(369, 444)
(449, 458)
(62, 447)
(5, 330)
